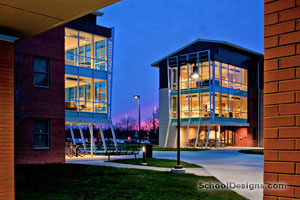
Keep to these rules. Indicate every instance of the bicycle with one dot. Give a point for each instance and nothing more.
(72, 151)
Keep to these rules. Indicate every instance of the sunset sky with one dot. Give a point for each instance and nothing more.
(147, 30)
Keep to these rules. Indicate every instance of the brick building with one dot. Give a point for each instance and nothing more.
(39, 110)
(23, 20)
(282, 98)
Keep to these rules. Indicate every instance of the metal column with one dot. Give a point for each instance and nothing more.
(82, 138)
(93, 145)
(72, 134)
(197, 136)
(114, 136)
(211, 111)
(175, 143)
(187, 132)
(102, 136)
(168, 132)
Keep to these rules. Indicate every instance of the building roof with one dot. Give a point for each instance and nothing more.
(19, 18)
(155, 64)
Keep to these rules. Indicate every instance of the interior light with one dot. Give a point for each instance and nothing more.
(195, 73)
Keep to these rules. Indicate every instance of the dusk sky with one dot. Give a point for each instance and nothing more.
(147, 30)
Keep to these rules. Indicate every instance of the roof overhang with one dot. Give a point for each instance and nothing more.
(25, 18)
(228, 44)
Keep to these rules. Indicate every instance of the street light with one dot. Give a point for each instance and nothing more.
(154, 108)
(126, 123)
(178, 168)
(144, 156)
(139, 98)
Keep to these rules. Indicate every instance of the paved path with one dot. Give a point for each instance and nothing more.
(99, 160)
(227, 165)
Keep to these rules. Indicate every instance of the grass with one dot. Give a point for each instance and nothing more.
(252, 151)
(85, 182)
(175, 149)
(156, 162)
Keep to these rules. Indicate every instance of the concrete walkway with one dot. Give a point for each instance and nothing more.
(227, 165)
(100, 160)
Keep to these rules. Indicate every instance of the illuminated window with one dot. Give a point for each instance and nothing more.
(85, 49)
(230, 99)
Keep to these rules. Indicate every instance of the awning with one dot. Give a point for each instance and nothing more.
(24, 18)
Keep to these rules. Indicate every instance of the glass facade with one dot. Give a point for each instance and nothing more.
(85, 49)
(220, 90)
(86, 85)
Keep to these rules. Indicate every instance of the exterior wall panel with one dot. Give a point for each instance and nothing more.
(281, 119)
(6, 120)
(38, 102)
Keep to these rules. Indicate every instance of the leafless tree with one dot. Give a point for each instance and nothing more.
(127, 123)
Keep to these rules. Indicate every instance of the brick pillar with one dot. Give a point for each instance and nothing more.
(282, 98)
(6, 120)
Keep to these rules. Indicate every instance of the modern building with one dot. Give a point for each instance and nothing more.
(63, 78)
(220, 95)
(22, 20)
(88, 76)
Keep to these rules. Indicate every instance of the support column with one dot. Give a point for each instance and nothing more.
(219, 133)
(187, 132)
(72, 134)
(168, 131)
(82, 138)
(114, 136)
(102, 137)
(93, 146)
(197, 135)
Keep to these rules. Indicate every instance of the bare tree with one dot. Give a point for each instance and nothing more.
(127, 123)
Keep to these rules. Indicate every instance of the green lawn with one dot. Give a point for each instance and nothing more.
(175, 149)
(84, 182)
(252, 151)
(155, 162)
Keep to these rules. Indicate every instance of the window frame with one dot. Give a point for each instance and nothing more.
(48, 125)
(48, 72)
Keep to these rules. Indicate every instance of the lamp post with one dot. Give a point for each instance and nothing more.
(154, 108)
(144, 156)
(178, 167)
(139, 98)
(126, 123)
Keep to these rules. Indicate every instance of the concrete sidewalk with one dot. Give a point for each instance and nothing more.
(227, 165)
(100, 161)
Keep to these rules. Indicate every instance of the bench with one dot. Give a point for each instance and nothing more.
(122, 150)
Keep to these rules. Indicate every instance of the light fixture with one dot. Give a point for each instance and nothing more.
(144, 156)
(195, 74)
(136, 96)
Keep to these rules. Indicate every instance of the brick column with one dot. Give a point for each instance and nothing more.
(282, 98)
(6, 120)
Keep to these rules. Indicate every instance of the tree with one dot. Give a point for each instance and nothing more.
(127, 124)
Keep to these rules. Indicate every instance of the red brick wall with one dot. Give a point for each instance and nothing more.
(282, 97)
(39, 102)
(244, 135)
(6, 120)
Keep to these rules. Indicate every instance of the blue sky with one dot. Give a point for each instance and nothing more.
(147, 30)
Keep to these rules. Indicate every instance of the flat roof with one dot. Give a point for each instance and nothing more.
(155, 64)
(25, 18)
